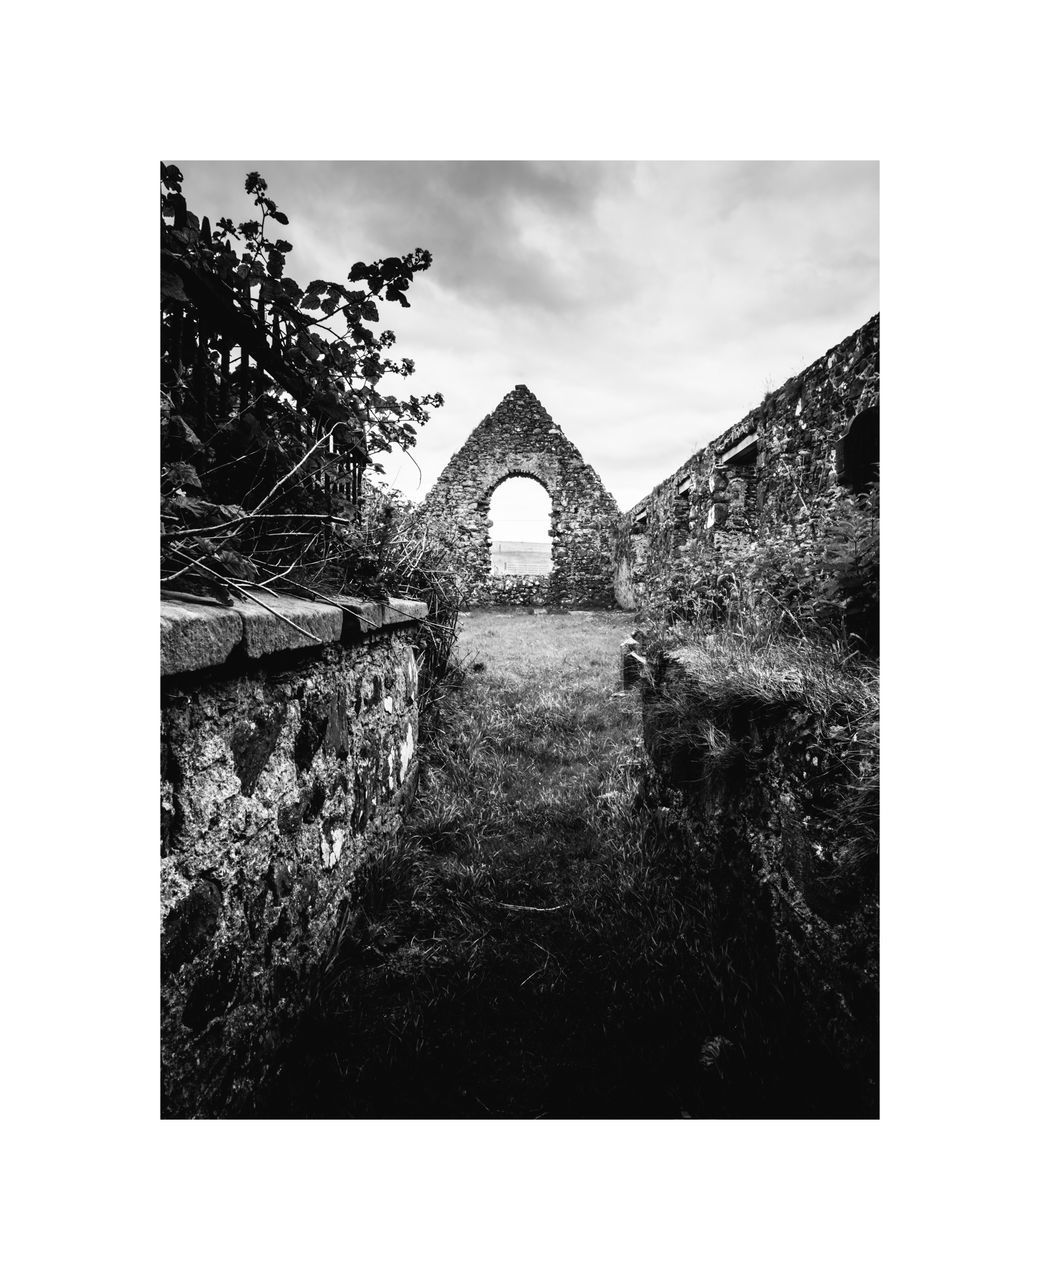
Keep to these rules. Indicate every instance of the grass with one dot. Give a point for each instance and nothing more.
(729, 668)
(534, 944)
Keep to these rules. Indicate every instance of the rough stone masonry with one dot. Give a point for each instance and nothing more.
(816, 432)
(521, 439)
(284, 763)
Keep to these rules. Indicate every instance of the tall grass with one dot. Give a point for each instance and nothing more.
(770, 744)
(540, 940)
(413, 556)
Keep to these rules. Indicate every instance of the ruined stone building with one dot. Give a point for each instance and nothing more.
(520, 439)
(819, 430)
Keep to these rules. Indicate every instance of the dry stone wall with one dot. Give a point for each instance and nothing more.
(284, 762)
(521, 439)
(818, 430)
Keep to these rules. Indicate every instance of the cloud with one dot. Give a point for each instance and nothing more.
(648, 305)
(505, 234)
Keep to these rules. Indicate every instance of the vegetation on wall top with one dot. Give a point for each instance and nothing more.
(272, 406)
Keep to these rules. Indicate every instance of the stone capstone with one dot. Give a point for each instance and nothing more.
(194, 636)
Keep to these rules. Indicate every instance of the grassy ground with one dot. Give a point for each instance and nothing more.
(530, 945)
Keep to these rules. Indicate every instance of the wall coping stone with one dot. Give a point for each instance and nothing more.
(196, 636)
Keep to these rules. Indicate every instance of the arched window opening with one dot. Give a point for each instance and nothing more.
(858, 456)
(520, 517)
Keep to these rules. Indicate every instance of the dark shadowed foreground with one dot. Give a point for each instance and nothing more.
(538, 942)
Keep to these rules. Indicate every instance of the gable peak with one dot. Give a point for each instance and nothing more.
(521, 395)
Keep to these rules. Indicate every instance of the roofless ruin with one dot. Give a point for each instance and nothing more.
(818, 431)
(521, 439)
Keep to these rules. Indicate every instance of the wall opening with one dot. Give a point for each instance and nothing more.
(520, 519)
(857, 458)
(683, 508)
(740, 466)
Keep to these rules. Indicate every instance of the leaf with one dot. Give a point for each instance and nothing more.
(176, 206)
(171, 287)
(176, 430)
(280, 217)
(181, 504)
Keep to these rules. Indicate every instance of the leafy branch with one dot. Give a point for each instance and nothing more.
(261, 396)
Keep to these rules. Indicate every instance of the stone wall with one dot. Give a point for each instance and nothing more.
(816, 431)
(770, 778)
(520, 439)
(517, 589)
(285, 758)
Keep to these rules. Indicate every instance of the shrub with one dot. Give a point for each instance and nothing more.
(407, 554)
(817, 578)
(272, 402)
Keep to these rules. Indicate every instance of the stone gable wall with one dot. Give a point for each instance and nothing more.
(520, 439)
(714, 501)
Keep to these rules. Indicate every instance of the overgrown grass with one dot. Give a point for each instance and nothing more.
(770, 745)
(838, 688)
(536, 943)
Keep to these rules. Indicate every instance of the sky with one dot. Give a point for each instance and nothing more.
(648, 306)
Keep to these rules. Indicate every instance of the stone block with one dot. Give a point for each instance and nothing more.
(192, 636)
(633, 666)
(364, 616)
(359, 616)
(266, 632)
(717, 514)
(397, 612)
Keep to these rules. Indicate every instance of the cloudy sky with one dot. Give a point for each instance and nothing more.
(647, 305)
